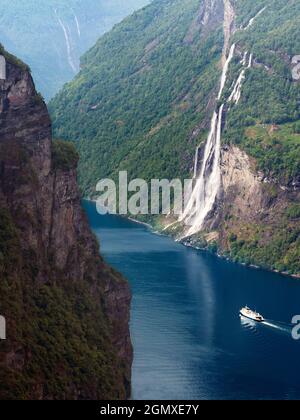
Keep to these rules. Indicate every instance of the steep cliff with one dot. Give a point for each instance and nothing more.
(254, 221)
(67, 312)
(198, 89)
(249, 209)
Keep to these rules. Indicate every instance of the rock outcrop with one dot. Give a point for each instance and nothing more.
(253, 218)
(67, 312)
(240, 179)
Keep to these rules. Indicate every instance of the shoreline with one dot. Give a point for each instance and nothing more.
(124, 217)
(251, 266)
(187, 245)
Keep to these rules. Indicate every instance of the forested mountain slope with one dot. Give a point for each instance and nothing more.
(51, 35)
(145, 98)
(148, 79)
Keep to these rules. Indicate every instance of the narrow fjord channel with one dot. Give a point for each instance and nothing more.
(189, 342)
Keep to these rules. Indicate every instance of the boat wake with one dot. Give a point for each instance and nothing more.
(275, 325)
(279, 326)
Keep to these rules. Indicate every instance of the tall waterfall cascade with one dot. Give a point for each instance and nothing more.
(209, 181)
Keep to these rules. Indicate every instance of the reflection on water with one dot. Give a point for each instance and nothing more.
(189, 341)
(248, 323)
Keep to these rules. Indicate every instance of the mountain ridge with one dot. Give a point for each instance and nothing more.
(148, 107)
(67, 28)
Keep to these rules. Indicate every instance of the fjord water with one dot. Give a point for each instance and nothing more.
(189, 342)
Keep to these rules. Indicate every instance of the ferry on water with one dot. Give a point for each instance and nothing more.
(248, 313)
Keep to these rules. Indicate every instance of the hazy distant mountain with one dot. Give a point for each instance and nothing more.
(51, 35)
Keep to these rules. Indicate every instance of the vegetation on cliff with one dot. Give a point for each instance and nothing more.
(144, 102)
(64, 155)
(270, 95)
(59, 340)
(143, 89)
(13, 59)
(145, 96)
(66, 311)
(276, 149)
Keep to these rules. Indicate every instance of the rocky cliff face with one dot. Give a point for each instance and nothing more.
(248, 209)
(67, 312)
(255, 220)
(255, 217)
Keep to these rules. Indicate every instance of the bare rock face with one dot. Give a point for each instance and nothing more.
(229, 25)
(67, 312)
(209, 17)
(247, 195)
(253, 215)
(241, 182)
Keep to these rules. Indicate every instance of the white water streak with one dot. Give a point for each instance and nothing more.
(244, 60)
(196, 162)
(236, 93)
(68, 43)
(237, 89)
(225, 70)
(250, 61)
(251, 21)
(205, 193)
(77, 25)
(222, 84)
(208, 184)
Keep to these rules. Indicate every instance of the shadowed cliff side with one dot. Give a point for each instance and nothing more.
(67, 312)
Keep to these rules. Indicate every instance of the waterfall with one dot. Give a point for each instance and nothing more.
(244, 60)
(236, 93)
(225, 70)
(251, 21)
(77, 25)
(208, 184)
(68, 43)
(237, 89)
(250, 61)
(196, 162)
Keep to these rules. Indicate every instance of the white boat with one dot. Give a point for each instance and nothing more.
(248, 313)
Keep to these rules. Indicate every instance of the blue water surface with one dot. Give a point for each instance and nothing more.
(189, 342)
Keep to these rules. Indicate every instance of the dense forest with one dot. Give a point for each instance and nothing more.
(147, 90)
(142, 91)
(270, 96)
